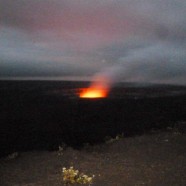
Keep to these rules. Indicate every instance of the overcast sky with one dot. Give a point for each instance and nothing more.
(129, 40)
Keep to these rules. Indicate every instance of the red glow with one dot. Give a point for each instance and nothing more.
(93, 92)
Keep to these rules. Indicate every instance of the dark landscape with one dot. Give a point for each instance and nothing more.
(98, 85)
(44, 114)
(36, 117)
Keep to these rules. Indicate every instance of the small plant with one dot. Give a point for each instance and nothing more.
(60, 150)
(12, 156)
(72, 176)
(111, 140)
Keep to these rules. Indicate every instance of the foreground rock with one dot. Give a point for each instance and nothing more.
(157, 158)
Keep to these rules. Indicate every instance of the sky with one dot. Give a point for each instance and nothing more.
(123, 40)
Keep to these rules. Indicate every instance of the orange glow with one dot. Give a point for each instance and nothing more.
(99, 88)
(93, 92)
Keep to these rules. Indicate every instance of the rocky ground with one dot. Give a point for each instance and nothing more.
(156, 159)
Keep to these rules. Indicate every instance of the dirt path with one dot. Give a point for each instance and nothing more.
(155, 159)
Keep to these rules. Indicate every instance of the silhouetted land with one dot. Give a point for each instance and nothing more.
(45, 114)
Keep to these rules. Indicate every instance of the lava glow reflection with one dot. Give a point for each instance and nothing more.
(93, 92)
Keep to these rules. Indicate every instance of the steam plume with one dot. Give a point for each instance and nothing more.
(158, 63)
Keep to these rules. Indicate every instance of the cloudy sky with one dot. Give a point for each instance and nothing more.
(125, 40)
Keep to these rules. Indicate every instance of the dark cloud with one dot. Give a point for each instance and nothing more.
(129, 39)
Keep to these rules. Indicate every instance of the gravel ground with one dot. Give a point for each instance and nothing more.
(155, 159)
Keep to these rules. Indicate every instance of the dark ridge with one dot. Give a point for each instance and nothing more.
(45, 114)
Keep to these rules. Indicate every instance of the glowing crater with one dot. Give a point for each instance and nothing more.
(93, 92)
